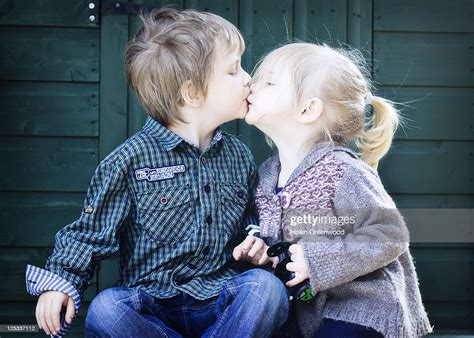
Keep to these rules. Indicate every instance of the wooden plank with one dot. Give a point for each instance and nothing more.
(359, 27)
(47, 164)
(417, 59)
(428, 167)
(424, 16)
(442, 270)
(49, 54)
(448, 317)
(47, 13)
(49, 109)
(320, 21)
(433, 201)
(113, 85)
(13, 263)
(434, 113)
(33, 218)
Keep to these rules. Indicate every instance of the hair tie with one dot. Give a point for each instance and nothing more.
(369, 98)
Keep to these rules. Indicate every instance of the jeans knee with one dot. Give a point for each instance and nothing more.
(269, 287)
(103, 310)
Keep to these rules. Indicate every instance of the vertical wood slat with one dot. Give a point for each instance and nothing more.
(113, 86)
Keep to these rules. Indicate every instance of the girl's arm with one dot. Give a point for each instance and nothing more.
(376, 238)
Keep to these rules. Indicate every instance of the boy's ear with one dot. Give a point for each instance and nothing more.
(311, 111)
(190, 95)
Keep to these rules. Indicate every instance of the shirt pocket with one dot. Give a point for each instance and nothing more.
(234, 200)
(166, 214)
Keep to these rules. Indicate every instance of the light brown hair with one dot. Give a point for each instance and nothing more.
(171, 48)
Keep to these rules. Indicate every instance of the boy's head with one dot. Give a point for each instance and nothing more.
(192, 58)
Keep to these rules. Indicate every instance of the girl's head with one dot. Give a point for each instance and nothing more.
(318, 93)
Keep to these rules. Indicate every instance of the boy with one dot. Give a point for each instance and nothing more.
(171, 200)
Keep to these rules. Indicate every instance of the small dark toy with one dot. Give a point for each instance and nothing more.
(301, 292)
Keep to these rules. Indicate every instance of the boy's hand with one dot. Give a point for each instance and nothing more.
(48, 310)
(299, 265)
(254, 250)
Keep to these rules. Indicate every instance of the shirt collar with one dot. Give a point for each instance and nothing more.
(170, 140)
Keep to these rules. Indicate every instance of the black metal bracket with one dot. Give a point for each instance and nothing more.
(123, 8)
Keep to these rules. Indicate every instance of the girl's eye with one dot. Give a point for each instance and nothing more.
(269, 83)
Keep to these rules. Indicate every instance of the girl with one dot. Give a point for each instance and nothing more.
(351, 242)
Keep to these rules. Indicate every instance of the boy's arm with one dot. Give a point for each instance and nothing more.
(39, 280)
(93, 236)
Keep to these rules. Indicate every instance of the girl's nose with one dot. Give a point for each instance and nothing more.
(247, 79)
(252, 87)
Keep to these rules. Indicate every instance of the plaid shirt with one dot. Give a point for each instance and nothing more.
(174, 214)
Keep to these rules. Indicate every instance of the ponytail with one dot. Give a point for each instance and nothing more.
(375, 142)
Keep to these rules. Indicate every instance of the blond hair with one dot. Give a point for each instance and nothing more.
(340, 78)
(171, 48)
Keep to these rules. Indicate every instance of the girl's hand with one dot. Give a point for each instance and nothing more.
(254, 250)
(299, 265)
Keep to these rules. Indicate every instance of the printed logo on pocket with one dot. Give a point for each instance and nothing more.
(158, 174)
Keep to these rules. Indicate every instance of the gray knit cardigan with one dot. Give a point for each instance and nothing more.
(366, 276)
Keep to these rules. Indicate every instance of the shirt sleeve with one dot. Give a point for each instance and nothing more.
(93, 236)
(375, 233)
(39, 280)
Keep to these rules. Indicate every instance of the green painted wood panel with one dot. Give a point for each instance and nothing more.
(434, 113)
(433, 200)
(49, 109)
(320, 20)
(47, 13)
(49, 54)
(419, 59)
(47, 164)
(431, 167)
(33, 218)
(434, 16)
(442, 270)
(113, 86)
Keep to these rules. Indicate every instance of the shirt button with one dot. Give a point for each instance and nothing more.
(203, 160)
(205, 250)
(164, 200)
(209, 220)
(240, 193)
(207, 188)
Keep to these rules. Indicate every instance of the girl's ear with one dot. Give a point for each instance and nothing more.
(312, 111)
(190, 95)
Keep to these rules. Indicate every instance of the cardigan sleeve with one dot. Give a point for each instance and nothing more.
(375, 237)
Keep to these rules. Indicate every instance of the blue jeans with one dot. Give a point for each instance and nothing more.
(253, 304)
